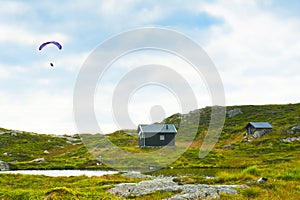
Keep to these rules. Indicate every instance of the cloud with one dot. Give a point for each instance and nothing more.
(252, 51)
(13, 8)
(38, 111)
(254, 44)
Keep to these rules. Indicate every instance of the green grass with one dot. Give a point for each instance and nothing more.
(283, 181)
(253, 170)
(17, 186)
(25, 147)
(242, 163)
(290, 174)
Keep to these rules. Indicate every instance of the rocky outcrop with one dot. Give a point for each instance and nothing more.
(290, 139)
(233, 112)
(296, 128)
(292, 130)
(4, 166)
(259, 133)
(188, 191)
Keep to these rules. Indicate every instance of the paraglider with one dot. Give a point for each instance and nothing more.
(51, 42)
(59, 46)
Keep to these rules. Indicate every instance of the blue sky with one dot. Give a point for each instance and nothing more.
(255, 46)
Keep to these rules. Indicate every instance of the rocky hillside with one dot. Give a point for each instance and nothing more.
(27, 150)
(234, 150)
(24, 150)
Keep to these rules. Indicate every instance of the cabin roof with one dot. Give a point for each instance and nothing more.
(156, 128)
(260, 124)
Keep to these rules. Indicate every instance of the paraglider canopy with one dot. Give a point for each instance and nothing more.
(51, 42)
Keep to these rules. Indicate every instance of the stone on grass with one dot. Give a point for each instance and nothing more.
(39, 160)
(233, 112)
(262, 180)
(4, 166)
(188, 191)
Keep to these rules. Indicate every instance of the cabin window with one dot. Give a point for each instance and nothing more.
(162, 137)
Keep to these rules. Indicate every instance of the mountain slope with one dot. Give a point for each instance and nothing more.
(66, 152)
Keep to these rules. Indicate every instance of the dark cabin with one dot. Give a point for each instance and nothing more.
(257, 129)
(156, 135)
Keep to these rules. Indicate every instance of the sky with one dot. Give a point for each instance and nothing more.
(254, 45)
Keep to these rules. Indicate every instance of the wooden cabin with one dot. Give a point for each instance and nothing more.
(156, 135)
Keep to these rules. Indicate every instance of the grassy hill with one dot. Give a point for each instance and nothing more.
(67, 152)
(22, 150)
(233, 160)
(232, 150)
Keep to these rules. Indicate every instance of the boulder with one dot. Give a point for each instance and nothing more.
(14, 133)
(233, 112)
(188, 191)
(259, 133)
(227, 146)
(296, 128)
(262, 180)
(4, 166)
(289, 139)
(46, 152)
(39, 160)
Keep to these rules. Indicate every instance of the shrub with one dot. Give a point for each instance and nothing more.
(250, 193)
(60, 193)
(253, 170)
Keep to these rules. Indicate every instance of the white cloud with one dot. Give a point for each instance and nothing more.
(13, 34)
(13, 8)
(256, 50)
(251, 45)
(144, 97)
(8, 72)
(37, 112)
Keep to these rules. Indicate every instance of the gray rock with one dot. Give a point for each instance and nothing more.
(188, 191)
(76, 143)
(123, 189)
(4, 166)
(262, 180)
(13, 133)
(228, 191)
(233, 112)
(296, 128)
(293, 130)
(259, 133)
(290, 139)
(38, 160)
(227, 146)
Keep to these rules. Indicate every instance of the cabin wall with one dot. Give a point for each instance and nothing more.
(155, 139)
